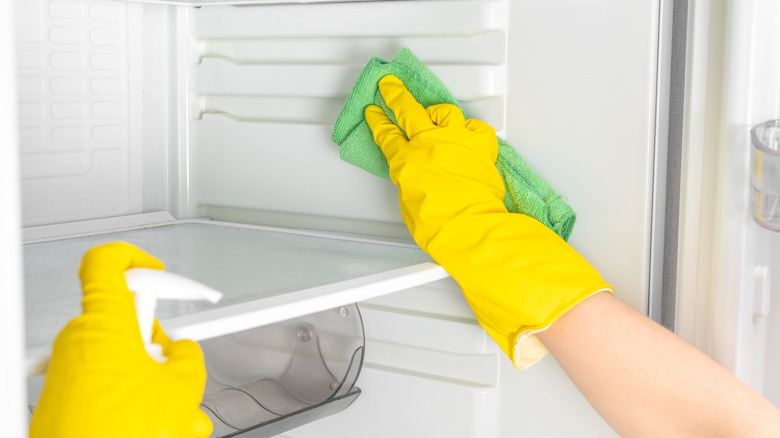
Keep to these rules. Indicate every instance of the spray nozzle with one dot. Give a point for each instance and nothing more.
(149, 285)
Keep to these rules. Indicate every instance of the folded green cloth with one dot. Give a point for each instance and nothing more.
(526, 192)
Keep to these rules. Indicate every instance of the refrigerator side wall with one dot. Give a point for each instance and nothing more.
(582, 95)
(581, 110)
(80, 84)
(14, 414)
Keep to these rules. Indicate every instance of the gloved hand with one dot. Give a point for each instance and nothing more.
(517, 275)
(101, 382)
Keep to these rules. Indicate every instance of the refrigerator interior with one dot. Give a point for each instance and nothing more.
(224, 112)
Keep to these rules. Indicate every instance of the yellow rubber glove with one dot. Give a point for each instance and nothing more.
(517, 275)
(101, 382)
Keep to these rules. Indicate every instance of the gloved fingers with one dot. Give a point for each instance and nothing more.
(201, 426)
(185, 363)
(103, 280)
(446, 115)
(159, 336)
(411, 116)
(479, 127)
(106, 264)
(387, 135)
(185, 358)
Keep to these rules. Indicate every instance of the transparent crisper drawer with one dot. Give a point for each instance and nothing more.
(267, 275)
(267, 380)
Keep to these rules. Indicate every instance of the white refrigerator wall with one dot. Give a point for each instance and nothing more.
(75, 90)
(226, 112)
(582, 94)
(266, 84)
(14, 413)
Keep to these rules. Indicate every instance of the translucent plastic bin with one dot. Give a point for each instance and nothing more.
(267, 380)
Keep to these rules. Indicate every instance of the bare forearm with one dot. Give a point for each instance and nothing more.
(645, 381)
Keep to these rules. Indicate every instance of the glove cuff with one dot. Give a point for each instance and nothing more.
(528, 349)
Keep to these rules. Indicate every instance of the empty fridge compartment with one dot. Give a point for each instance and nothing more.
(267, 275)
(267, 380)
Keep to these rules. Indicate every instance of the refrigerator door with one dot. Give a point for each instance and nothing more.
(729, 262)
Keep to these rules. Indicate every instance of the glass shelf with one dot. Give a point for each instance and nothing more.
(267, 275)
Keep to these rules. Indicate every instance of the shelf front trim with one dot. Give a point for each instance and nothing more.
(218, 322)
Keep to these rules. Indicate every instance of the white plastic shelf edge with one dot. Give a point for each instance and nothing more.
(197, 3)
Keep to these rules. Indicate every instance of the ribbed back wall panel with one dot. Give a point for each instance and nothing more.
(266, 84)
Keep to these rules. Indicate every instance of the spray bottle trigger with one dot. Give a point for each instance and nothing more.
(149, 285)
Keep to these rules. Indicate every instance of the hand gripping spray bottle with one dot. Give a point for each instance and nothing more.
(149, 285)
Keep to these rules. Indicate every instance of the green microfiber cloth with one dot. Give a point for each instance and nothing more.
(526, 192)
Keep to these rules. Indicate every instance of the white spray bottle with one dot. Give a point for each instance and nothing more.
(149, 285)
